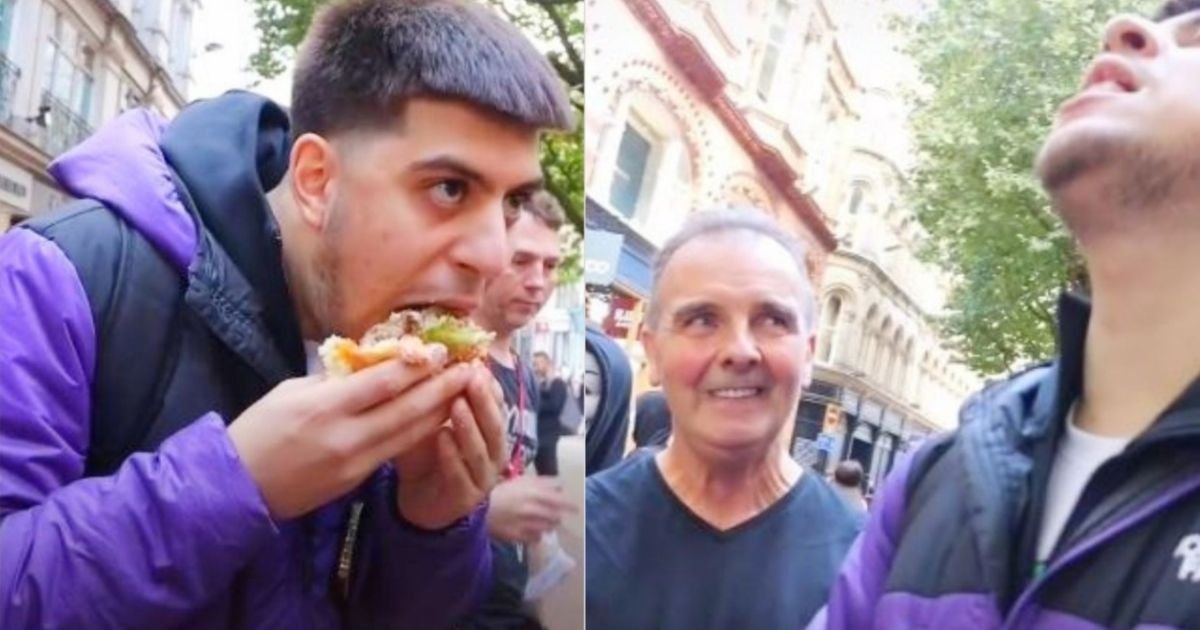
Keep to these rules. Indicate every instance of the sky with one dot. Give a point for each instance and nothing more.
(229, 23)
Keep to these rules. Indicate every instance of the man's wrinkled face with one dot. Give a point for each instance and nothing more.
(1130, 134)
(514, 297)
(731, 348)
(414, 215)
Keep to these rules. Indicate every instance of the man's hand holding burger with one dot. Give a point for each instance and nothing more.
(449, 473)
(311, 440)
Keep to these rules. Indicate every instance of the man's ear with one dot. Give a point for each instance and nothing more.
(313, 167)
(650, 344)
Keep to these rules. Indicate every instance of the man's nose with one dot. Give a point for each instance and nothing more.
(740, 349)
(535, 279)
(483, 250)
(1132, 35)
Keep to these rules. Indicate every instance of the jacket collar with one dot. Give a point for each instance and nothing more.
(228, 151)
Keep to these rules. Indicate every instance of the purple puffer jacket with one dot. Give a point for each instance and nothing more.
(178, 538)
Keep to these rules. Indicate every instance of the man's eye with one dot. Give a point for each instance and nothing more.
(449, 193)
(700, 321)
(514, 202)
(778, 321)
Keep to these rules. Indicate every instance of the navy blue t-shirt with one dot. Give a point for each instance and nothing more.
(652, 563)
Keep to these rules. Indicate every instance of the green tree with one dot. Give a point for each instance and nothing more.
(557, 28)
(994, 73)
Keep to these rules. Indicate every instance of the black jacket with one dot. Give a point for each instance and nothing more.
(954, 534)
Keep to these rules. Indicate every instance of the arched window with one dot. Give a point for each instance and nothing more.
(828, 331)
(867, 332)
(858, 195)
(883, 364)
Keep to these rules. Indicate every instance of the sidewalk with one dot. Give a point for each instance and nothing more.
(562, 608)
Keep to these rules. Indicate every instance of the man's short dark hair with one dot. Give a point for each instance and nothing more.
(363, 59)
(542, 354)
(544, 207)
(1173, 8)
(849, 474)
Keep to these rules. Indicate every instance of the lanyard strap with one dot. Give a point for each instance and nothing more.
(516, 461)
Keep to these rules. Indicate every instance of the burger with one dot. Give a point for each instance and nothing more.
(408, 335)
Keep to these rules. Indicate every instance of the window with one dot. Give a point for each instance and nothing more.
(69, 62)
(824, 137)
(776, 33)
(857, 193)
(145, 17)
(683, 177)
(181, 37)
(633, 157)
(829, 322)
(7, 14)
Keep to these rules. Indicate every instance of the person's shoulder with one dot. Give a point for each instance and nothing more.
(620, 481)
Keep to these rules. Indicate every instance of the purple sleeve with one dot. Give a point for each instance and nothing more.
(151, 542)
(859, 585)
(413, 578)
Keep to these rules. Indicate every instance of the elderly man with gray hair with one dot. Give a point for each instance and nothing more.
(722, 529)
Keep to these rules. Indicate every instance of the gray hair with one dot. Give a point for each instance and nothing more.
(753, 221)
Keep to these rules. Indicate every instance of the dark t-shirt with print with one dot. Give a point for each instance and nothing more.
(505, 604)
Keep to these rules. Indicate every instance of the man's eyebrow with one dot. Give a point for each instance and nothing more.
(1193, 21)
(452, 164)
(473, 175)
(692, 309)
(777, 306)
(1184, 20)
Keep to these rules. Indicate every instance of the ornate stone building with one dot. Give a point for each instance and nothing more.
(687, 107)
(68, 66)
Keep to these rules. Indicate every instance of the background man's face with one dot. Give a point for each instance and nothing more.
(1131, 133)
(592, 387)
(731, 349)
(514, 297)
(418, 214)
(541, 365)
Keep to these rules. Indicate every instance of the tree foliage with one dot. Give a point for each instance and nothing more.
(556, 26)
(994, 73)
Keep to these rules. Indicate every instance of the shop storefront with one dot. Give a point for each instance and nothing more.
(835, 423)
(618, 271)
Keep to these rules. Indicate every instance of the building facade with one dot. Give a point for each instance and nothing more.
(67, 67)
(790, 106)
(885, 377)
(689, 105)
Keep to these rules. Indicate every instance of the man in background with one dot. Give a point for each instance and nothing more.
(675, 539)
(652, 420)
(523, 507)
(554, 398)
(607, 388)
(848, 481)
